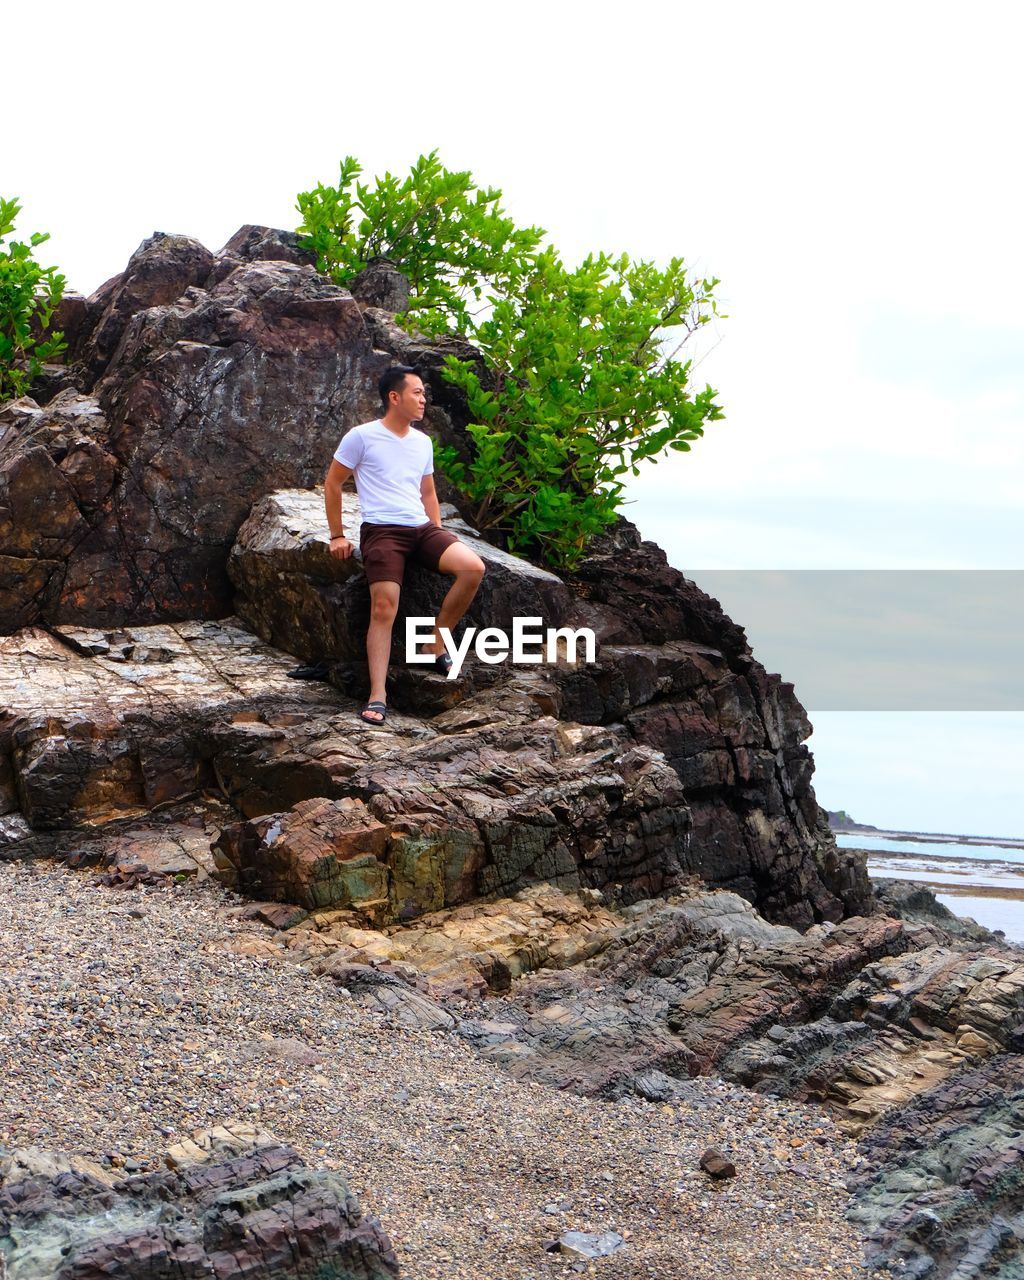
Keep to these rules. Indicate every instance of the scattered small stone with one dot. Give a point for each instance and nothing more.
(587, 1244)
(291, 1050)
(716, 1165)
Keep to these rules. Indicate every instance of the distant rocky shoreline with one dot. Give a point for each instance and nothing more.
(879, 833)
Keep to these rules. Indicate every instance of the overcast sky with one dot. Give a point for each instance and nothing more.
(850, 173)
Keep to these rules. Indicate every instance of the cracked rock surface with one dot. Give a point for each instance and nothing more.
(690, 691)
(164, 482)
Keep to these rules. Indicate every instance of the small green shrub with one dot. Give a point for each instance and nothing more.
(29, 294)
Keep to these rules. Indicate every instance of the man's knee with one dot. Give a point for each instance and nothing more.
(472, 577)
(383, 611)
(465, 564)
(383, 607)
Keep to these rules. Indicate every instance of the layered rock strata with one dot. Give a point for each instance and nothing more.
(942, 1193)
(392, 823)
(224, 1209)
(480, 798)
(580, 993)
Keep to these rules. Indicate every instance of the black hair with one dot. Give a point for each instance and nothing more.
(393, 379)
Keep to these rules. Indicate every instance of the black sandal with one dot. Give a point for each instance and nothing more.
(443, 663)
(382, 707)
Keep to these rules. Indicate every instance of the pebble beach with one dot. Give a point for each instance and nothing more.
(127, 1022)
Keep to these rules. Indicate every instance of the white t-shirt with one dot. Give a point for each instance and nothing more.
(388, 470)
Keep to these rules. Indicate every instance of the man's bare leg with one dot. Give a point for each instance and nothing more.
(383, 607)
(469, 571)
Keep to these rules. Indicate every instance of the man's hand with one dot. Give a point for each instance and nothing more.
(336, 476)
(341, 548)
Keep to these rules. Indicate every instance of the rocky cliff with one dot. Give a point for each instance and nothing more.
(625, 858)
(166, 480)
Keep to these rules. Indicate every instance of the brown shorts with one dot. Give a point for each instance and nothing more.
(386, 547)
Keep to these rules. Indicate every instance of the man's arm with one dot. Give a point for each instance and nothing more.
(336, 476)
(430, 503)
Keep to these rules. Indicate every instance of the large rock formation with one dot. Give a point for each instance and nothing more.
(203, 382)
(208, 387)
(942, 1191)
(196, 384)
(393, 823)
(673, 674)
(594, 996)
(910, 1036)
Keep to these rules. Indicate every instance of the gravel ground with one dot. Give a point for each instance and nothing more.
(120, 1032)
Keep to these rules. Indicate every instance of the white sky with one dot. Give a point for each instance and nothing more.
(851, 173)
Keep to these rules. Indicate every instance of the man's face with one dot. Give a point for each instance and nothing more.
(412, 398)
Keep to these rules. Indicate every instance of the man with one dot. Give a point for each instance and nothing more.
(393, 464)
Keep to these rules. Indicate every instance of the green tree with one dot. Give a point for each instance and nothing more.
(450, 238)
(29, 294)
(583, 377)
(583, 388)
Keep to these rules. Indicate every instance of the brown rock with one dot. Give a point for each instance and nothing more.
(90, 737)
(381, 284)
(211, 399)
(465, 951)
(158, 273)
(716, 1165)
(278, 915)
(732, 733)
(295, 595)
(445, 820)
(321, 853)
(226, 377)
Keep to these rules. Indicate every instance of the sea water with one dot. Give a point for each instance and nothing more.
(953, 870)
